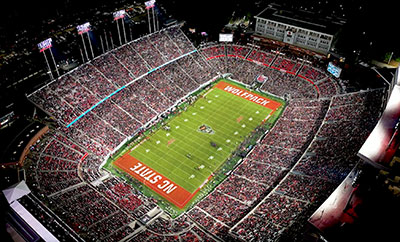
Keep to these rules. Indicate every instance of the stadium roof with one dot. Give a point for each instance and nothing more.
(303, 19)
(16, 191)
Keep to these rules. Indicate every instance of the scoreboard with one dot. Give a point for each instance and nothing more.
(225, 37)
(334, 70)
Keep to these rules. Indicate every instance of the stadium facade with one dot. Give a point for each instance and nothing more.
(301, 28)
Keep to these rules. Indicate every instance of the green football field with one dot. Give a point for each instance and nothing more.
(192, 145)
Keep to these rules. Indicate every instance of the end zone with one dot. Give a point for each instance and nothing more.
(154, 180)
(248, 95)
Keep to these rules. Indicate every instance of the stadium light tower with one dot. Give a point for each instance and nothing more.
(123, 28)
(44, 45)
(55, 65)
(85, 28)
(105, 37)
(154, 22)
(150, 4)
(102, 46)
(120, 15)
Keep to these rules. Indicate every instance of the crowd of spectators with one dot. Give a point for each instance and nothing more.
(83, 207)
(74, 93)
(131, 60)
(124, 196)
(262, 57)
(287, 74)
(112, 69)
(192, 235)
(209, 223)
(141, 111)
(118, 118)
(99, 130)
(244, 70)
(334, 153)
(196, 67)
(328, 88)
(54, 166)
(84, 140)
(237, 51)
(166, 86)
(325, 163)
(148, 52)
(270, 219)
(215, 54)
(167, 226)
(54, 105)
(178, 76)
(264, 167)
(282, 83)
(92, 214)
(300, 160)
(290, 65)
(312, 73)
(180, 39)
(92, 79)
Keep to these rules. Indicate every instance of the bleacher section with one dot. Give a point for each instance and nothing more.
(298, 163)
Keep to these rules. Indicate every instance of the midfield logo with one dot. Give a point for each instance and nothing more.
(205, 129)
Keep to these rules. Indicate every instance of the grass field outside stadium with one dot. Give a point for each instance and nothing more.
(184, 152)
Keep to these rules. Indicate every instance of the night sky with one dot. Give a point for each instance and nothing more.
(371, 26)
(368, 21)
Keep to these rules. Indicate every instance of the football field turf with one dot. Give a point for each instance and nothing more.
(177, 159)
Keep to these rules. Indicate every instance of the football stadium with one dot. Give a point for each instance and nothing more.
(201, 139)
(164, 139)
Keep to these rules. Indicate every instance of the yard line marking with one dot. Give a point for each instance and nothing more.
(211, 114)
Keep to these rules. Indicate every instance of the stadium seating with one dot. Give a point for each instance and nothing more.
(298, 163)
